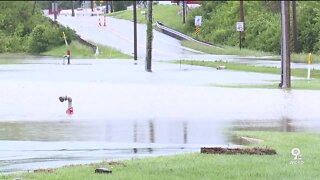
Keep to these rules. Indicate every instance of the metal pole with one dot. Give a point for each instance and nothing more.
(285, 45)
(240, 39)
(295, 29)
(135, 30)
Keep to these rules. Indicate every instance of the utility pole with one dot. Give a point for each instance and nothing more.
(55, 10)
(111, 7)
(149, 38)
(72, 13)
(107, 6)
(135, 31)
(91, 6)
(285, 45)
(295, 29)
(241, 20)
(183, 11)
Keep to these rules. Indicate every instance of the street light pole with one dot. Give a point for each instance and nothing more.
(135, 31)
(285, 45)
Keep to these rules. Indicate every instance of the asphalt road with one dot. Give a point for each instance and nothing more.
(119, 34)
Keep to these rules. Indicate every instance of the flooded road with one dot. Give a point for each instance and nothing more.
(121, 111)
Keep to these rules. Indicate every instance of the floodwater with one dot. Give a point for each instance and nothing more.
(123, 112)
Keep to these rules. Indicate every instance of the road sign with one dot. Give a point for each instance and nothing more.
(240, 26)
(198, 20)
(197, 30)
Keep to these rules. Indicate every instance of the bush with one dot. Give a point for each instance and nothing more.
(23, 28)
(38, 41)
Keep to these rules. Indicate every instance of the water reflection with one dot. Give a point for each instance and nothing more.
(283, 125)
(39, 144)
(25, 145)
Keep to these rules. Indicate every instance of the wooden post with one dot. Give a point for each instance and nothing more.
(285, 45)
(149, 38)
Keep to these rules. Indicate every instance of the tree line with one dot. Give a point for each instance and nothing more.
(262, 24)
(23, 28)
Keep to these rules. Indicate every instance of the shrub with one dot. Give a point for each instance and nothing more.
(38, 41)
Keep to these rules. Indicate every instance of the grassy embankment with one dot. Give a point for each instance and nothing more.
(79, 50)
(162, 12)
(168, 14)
(312, 84)
(227, 50)
(204, 166)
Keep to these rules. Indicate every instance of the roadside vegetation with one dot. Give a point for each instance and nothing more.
(168, 14)
(262, 27)
(224, 50)
(23, 29)
(79, 50)
(312, 84)
(232, 50)
(209, 166)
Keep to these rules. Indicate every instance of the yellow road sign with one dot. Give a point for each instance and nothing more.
(197, 30)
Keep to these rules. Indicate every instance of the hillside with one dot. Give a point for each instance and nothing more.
(24, 29)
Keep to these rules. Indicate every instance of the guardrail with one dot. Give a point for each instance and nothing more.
(180, 36)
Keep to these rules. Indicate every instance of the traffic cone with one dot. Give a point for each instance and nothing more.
(105, 21)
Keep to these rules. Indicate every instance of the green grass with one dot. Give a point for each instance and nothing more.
(250, 68)
(229, 50)
(168, 14)
(14, 55)
(79, 50)
(223, 50)
(204, 166)
(312, 84)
